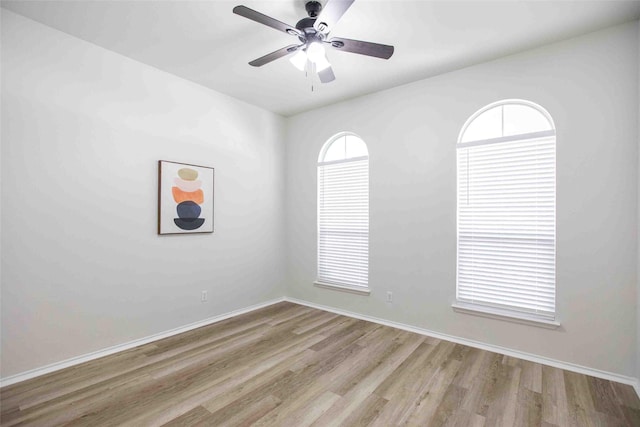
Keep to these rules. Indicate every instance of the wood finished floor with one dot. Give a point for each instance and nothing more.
(290, 365)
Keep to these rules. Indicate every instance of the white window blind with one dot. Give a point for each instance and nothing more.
(343, 216)
(506, 214)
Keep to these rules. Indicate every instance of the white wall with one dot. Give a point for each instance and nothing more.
(590, 87)
(82, 131)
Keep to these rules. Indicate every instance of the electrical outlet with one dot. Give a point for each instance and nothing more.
(203, 297)
(389, 296)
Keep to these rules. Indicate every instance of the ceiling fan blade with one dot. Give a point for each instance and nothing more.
(326, 75)
(274, 55)
(266, 20)
(363, 48)
(331, 14)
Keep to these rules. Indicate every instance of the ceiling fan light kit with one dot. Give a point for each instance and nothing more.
(313, 33)
(299, 60)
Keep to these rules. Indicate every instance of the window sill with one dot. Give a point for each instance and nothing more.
(344, 288)
(496, 313)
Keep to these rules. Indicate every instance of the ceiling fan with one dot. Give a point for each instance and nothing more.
(313, 33)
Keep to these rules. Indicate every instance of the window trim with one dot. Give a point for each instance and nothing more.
(358, 290)
(501, 314)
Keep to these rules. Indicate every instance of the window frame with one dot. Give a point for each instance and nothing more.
(333, 284)
(487, 310)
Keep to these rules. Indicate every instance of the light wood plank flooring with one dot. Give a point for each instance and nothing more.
(290, 365)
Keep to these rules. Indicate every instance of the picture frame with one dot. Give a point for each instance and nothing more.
(185, 198)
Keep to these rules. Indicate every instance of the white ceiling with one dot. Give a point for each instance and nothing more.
(203, 41)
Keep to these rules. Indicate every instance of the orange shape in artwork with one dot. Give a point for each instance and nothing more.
(182, 196)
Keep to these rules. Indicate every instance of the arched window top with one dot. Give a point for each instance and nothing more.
(508, 118)
(343, 146)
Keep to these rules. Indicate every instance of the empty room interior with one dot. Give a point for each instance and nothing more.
(295, 213)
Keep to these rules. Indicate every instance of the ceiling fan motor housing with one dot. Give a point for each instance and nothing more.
(306, 25)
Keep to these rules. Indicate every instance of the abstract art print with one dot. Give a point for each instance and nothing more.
(185, 198)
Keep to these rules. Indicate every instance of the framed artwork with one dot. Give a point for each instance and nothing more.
(185, 198)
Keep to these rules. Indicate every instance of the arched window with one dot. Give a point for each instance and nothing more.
(343, 214)
(506, 156)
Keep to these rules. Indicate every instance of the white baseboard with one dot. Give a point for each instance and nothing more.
(23, 376)
(483, 346)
